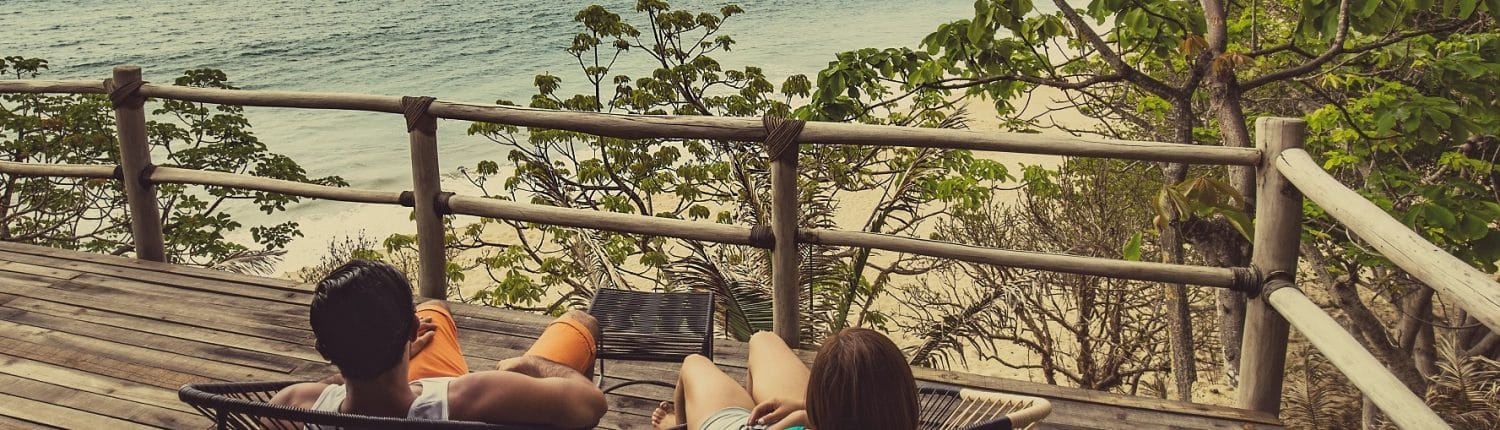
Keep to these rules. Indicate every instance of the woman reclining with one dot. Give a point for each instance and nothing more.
(859, 380)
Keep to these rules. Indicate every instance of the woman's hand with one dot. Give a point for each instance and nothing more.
(776, 411)
(425, 331)
(798, 418)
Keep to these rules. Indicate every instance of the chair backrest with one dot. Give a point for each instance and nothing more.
(652, 326)
(242, 405)
(947, 407)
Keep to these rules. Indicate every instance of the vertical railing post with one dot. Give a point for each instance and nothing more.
(1278, 231)
(135, 162)
(781, 147)
(427, 186)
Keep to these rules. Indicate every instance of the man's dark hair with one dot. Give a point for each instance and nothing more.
(361, 314)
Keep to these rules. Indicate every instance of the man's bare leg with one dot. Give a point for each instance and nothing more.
(775, 371)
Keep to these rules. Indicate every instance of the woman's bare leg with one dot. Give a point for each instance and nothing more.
(775, 371)
(703, 389)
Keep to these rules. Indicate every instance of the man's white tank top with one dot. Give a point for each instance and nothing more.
(432, 404)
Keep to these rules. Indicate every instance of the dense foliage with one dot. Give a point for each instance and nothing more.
(1399, 97)
(545, 267)
(91, 215)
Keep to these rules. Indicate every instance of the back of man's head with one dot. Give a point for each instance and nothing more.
(361, 314)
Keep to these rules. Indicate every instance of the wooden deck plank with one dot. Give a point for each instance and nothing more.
(152, 266)
(199, 281)
(192, 347)
(9, 423)
(107, 406)
(166, 311)
(90, 382)
(200, 367)
(217, 336)
(98, 341)
(58, 416)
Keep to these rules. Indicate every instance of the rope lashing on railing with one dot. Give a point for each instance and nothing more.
(415, 111)
(145, 175)
(440, 203)
(761, 237)
(119, 174)
(781, 135)
(1246, 280)
(125, 96)
(1277, 280)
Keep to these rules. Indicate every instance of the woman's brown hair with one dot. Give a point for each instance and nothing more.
(860, 380)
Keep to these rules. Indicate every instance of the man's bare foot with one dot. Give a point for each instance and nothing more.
(665, 416)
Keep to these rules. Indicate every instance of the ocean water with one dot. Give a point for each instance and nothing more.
(476, 51)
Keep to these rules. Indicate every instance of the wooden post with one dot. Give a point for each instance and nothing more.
(135, 159)
(1278, 231)
(781, 146)
(432, 276)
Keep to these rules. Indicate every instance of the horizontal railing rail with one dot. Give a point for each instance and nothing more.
(1477, 293)
(1352, 359)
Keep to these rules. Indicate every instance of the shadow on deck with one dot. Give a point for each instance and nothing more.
(94, 341)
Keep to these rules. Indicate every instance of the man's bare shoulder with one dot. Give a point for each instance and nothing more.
(301, 395)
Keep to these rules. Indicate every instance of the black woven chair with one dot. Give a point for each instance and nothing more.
(241, 405)
(652, 326)
(946, 407)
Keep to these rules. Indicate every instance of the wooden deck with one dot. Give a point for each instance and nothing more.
(94, 341)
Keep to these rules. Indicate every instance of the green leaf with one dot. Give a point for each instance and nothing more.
(1472, 228)
(1440, 216)
(1466, 8)
(1132, 249)
(1241, 223)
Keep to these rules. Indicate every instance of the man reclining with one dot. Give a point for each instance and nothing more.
(399, 360)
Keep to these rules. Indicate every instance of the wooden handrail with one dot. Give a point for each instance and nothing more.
(1475, 292)
(688, 127)
(59, 170)
(1222, 277)
(1362, 369)
(600, 220)
(174, 175)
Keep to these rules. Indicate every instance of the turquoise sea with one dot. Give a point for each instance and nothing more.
(476, 51)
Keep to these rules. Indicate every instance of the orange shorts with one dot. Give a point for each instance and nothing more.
(442, 357)
(567, 342)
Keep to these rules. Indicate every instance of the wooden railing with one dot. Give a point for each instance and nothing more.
(1282, 169)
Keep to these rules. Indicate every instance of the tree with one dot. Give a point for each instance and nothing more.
(1083, 331)
(90, 214)
(1198, 72)
(693, 179)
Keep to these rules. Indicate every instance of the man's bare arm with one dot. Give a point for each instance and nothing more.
(537, 367)
(570, 401)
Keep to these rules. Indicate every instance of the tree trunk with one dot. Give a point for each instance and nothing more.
(1369, 415)
(1366, 327)
(1416, 337)
(1225, 99)
(1220, 245)
(1184, 364)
